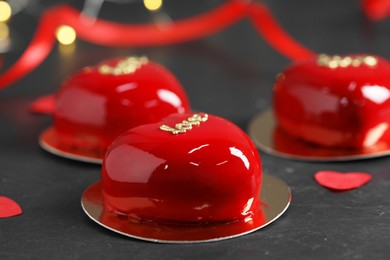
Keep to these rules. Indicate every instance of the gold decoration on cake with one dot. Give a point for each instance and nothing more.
(185, 125)
(123, 67)
(335, 61)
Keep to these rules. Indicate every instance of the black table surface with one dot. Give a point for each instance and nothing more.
(230, 74)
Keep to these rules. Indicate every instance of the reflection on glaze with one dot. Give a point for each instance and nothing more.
(374, 134)
(195, 164)
(247, 207)
(126, 87)
(375, 93)
(92, 113)
(142, 170)
(169, 97)
(343, 108)
(206, 175)
(92, 109)
(198, 148)
(236, 152)
(329, 103)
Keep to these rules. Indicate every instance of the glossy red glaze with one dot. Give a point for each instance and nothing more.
(211, 173)
(376, 9)
(342, 107)
(92, 108)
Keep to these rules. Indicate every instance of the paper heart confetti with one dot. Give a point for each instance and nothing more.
(342, 181)
(43, 105)
(9, 208)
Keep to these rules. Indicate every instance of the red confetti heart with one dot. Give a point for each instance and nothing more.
(9, 208)
(43, 105)
(342, 181)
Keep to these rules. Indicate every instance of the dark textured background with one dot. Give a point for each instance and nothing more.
(229, 74)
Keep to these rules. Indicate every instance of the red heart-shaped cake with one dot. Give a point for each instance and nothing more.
(335, 101)
(189, 168)
(99, 103)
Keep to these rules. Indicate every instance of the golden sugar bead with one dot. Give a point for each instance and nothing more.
(323, 60)
(333, 64)
(356, 62)
(345, 62)
(370, 61)
(104, 69)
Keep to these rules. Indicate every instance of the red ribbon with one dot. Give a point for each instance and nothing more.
(114, 34)
(275, 35)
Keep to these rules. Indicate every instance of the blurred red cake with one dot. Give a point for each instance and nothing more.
(335, 101)
(99, 103)
(185, 169)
